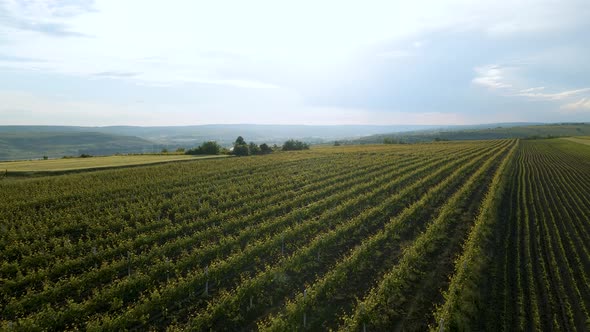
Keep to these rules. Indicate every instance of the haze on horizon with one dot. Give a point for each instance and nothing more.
(183, 62)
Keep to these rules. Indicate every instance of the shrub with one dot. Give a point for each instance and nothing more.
(241, 150)
(210, 147)
(292, 145)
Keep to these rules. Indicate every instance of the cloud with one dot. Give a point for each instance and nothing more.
(240, 83)
(530, 90)
(12, 58)
(494, 77)
(580, 105)
(48, 17)
(490, 76)
(475, 59)
(190, 79)
(116, 74)
(52, 29)
(531, 93)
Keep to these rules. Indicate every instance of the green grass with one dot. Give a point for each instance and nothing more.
(69, 164)
(582, 139)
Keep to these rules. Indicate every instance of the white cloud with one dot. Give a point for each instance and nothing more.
(494, 77)
(490, 76)
(577, 106)
(47, 9)
(263, 48)
(531, 93)
(268, 31)
(530, 90)
(48, 17)
(237, 83)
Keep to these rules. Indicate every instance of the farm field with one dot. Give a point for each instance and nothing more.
(580, 139)
(539, 276)
(381, 237)
(69, 164)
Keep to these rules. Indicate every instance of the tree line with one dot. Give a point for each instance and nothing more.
(242, 148)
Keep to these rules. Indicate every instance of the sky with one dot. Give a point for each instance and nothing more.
(190, 62)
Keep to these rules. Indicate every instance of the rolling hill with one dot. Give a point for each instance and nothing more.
(54, 144)
(492, 132)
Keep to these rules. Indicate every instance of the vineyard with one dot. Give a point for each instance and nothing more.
(479, 235)
(538, 265)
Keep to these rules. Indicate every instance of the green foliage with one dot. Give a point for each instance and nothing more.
(253, 148)
(464, 295)
(386, 303)
(208, 148)
(240, 141)
(368, 258)
(241, 150)
(348, 237)
(292, 145)
(265, 149)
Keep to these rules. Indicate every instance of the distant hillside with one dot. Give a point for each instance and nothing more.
(225, 134)
(33, 142)
(33, 145)
(536, 131)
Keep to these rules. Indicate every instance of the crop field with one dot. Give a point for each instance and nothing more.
(579, 139)
(539, 277)
(467, 235)
(69, 164)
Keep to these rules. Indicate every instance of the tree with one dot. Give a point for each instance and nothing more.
(240, 147)
(239, 141)
(265, 149)
(254, 149)
(210, 147)
(292, 144)
(241, 150)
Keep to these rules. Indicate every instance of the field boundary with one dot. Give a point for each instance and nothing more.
(579, 140)
(18, 174)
